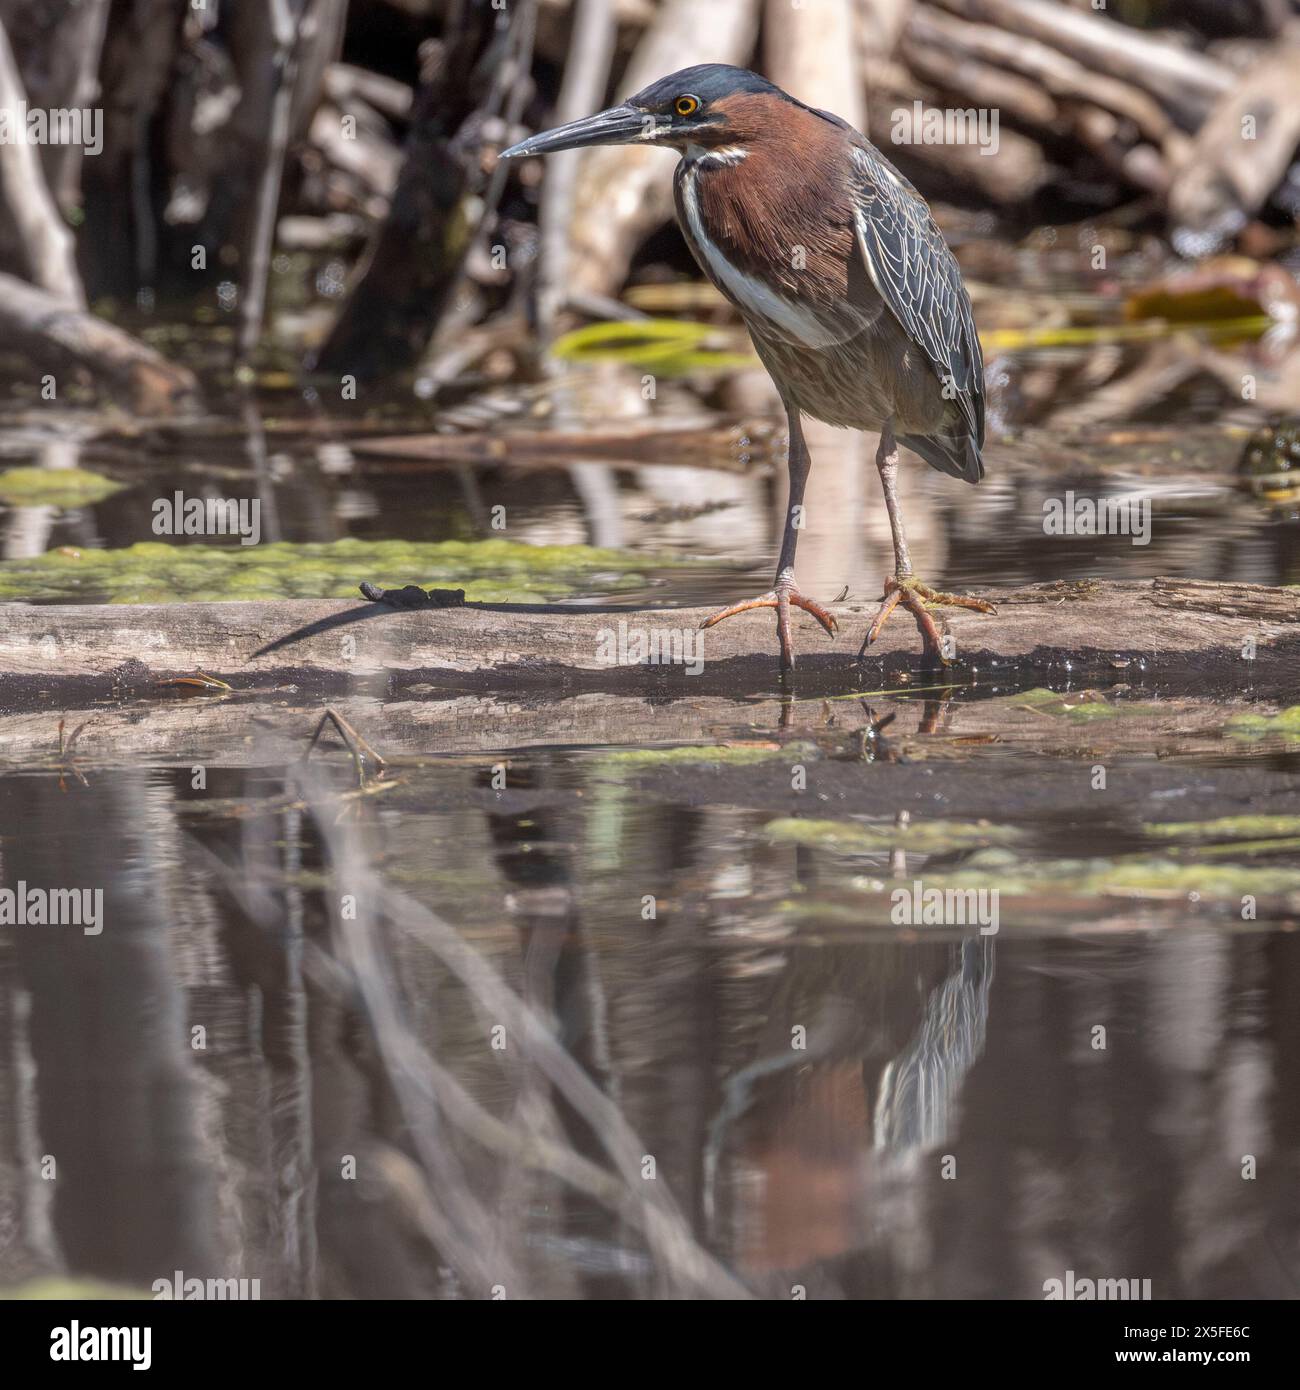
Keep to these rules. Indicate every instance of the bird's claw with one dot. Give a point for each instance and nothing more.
(918, 599)
(782, 598)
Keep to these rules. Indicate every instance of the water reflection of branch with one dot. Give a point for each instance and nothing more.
(439, 1113)
(680, 1260)
(255, 444)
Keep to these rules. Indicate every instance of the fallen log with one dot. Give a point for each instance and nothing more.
(1170, 635)
(344, 82)
(980, 83)
(375, 164)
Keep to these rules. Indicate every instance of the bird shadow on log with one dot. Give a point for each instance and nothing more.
(399, 600)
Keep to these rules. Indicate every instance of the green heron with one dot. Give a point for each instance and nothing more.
(853, 300)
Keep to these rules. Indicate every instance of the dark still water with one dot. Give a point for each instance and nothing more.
(314, 1042)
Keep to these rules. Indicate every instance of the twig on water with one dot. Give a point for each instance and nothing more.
(356, 745)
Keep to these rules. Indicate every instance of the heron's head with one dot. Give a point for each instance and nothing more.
(706, 106)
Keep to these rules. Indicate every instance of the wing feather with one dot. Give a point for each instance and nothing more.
(917, 276)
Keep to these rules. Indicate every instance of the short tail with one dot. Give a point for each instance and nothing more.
(956, 454)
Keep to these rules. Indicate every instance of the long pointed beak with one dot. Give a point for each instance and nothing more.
(618, 126)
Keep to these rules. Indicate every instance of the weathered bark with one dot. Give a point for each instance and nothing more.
(1015, 175)
(374, 165)
(344, 83)
(980, 83)
(43, 237)
(34, 321)
(883, 41)
(1177, 627)
(880, 25)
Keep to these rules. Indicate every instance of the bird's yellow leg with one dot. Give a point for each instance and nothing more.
(785, 594)
(904, 588)
(918, 599)
(784, 597)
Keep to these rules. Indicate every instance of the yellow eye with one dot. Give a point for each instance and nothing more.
(686, 106)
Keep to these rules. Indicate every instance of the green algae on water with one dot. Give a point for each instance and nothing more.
(491, 571)
(690, 755)
(55, 487)
(1137, 873)
(1013, 876)
(1081, 711)
(1251, 726)
(1235, 828)
(61, 1288)
(860, 837)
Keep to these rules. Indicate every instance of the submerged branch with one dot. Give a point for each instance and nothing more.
(34, 321)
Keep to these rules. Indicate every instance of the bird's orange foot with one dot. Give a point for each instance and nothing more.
(918, 599)
(784, 597)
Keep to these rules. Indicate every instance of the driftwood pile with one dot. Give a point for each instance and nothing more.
(231, 132)
(1205, 128)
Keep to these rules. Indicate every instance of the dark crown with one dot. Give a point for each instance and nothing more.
(708, 81)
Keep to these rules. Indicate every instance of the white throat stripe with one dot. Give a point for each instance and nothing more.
(755, 298)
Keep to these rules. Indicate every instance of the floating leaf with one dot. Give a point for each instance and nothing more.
(1225, 288)
(670, 346)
